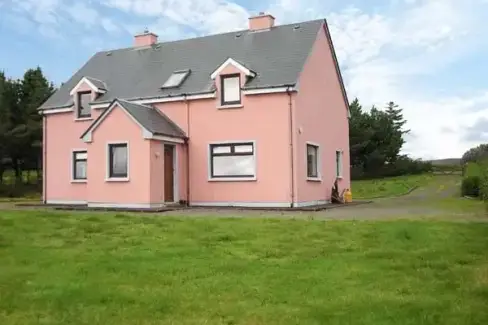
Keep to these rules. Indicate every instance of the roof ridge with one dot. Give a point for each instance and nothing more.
(213, 35)
(94, 79)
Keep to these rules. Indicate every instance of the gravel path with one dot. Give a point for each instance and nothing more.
(421, 203)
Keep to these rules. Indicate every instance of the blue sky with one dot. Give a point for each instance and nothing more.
(429, 56)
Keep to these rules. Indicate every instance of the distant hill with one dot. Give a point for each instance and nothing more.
(446, 161)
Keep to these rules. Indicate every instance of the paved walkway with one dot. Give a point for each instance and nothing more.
(423, 202)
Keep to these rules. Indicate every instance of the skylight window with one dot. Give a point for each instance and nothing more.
(176, 79)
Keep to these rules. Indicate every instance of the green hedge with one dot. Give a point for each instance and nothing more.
(475, 180)
(471, 186)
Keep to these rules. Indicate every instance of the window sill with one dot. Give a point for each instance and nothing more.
(78, 181)
(230, 106)
(339, 177)
(83, 119)
(314, 179)
(233, 179)
(115, 179)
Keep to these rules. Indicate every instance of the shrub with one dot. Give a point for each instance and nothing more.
(472, 169)
(402, 166)
(471, 186)
(19, 190)
(483, 186)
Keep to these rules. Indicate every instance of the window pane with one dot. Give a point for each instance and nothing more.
(232, 90)
(338, 163)
(80, 170)
(119, 160)
(244, 148)
(175, 79)
(83, 101)
(233, 166)
(221, 149)
(312, 162)
(81, 155)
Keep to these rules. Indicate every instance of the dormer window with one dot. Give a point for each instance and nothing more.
(83, 104)
(230, 89)
(176, 79)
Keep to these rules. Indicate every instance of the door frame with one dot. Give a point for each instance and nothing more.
(176, 172)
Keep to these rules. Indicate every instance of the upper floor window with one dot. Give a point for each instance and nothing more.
(83, 102)
(230, 88)
(176, 79)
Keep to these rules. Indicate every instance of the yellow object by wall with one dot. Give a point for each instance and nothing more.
(348, 196)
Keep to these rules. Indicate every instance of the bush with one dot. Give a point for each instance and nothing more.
(402, 166)
(472, 169)
(19, 190)
(471, 186)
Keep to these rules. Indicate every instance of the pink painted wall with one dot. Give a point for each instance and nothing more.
(145, 39)
(261, 22)
(118, 126)
(157, 171)
(318, 106)
(321, 115)
(182, 163)
(62, 135)
(156, 178)
(263, 118)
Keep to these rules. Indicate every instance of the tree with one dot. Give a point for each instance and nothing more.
(475, 154)
(4, 123)
(20, 123)
(35, 90)
(376, 139)
(396, 141)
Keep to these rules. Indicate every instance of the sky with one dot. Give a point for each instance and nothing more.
(428, 56)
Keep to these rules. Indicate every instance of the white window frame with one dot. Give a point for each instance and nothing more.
(183, 73)
(230, 178)
(339, 164)
(319, 162)
(78, 103)
(72, 165)
(235, 103)
(107, 163)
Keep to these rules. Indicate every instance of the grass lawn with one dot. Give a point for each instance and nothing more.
(107, 268)
(385, 187)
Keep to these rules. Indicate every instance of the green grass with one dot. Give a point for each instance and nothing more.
(386, 187)
(107, 269)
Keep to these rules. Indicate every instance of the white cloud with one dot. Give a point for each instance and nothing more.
(203, 16)
(391, 51)
(83, 14)
(390, 57)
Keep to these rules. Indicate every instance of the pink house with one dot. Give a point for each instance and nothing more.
(254, 118)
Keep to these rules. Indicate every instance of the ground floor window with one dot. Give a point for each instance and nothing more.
(118, 160)
(232, 160)
(79, 164)
(312, 161)
(339, 163)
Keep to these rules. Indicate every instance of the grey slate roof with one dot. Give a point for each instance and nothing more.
(150, 118)
(277, 56)
(97, 83)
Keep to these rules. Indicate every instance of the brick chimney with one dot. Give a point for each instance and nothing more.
(261, 21)
(145, 39)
